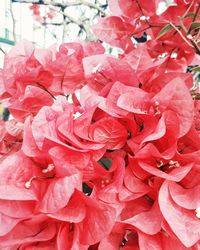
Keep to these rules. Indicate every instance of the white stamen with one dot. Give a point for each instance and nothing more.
(48, 169)
(95, 69)
(76, 115)
(174, 163)
(198, 212)
(28, 183)
(159, 163)
(143, 18)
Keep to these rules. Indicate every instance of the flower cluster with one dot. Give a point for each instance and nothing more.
(103, 152)
(41, 18)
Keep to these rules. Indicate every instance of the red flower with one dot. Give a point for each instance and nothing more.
(104, 151)
(182, 221)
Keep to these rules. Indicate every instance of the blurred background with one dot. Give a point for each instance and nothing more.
(46, 22)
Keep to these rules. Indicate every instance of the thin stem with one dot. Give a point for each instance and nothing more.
(77, 22)
(197, 35)
(188, 9)
(53, 35)
(182, 25)
(138, 32)
(13, 22)
(139, 6)
(149, 27)
(156, 26)
(196, 13)
(64, 29)
(167, 63)
(2, 51)
(44, 88)
(63, 5)
(197, 49)
(180, 33)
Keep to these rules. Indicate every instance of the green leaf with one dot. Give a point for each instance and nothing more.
(196, 69)
(191, 14)
(198, 97)
(86, 189)
(105, 163)
(164, 30)
(182, 25)
(193, 26)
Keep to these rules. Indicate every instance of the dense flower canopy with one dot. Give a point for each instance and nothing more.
(102, 151)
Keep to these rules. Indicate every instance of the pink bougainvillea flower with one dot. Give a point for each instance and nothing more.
(186, 198)
(56, 129)
(98, 222)
(160, 241)
(74, 211)
(69, 161)
(133, 187)
(108, 183)
(136, 101)
(58, 193)
(140, 61)
(148, 222)
(33, 99)
(121, 237)
(37, 229)
(7, 223)
(3, 93)
(182, 221)
(104, 151)
(128, 6)
(174, 96)
(108, 131)
(75, 130)
(67, 68)
(15, 170)
(114, 31)
(157, 83)
(110, 103)
(167, 169)
(171, 97)
(103, 69)
(21, 68)
(68, 237)
(29, 146)
(11, 135)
